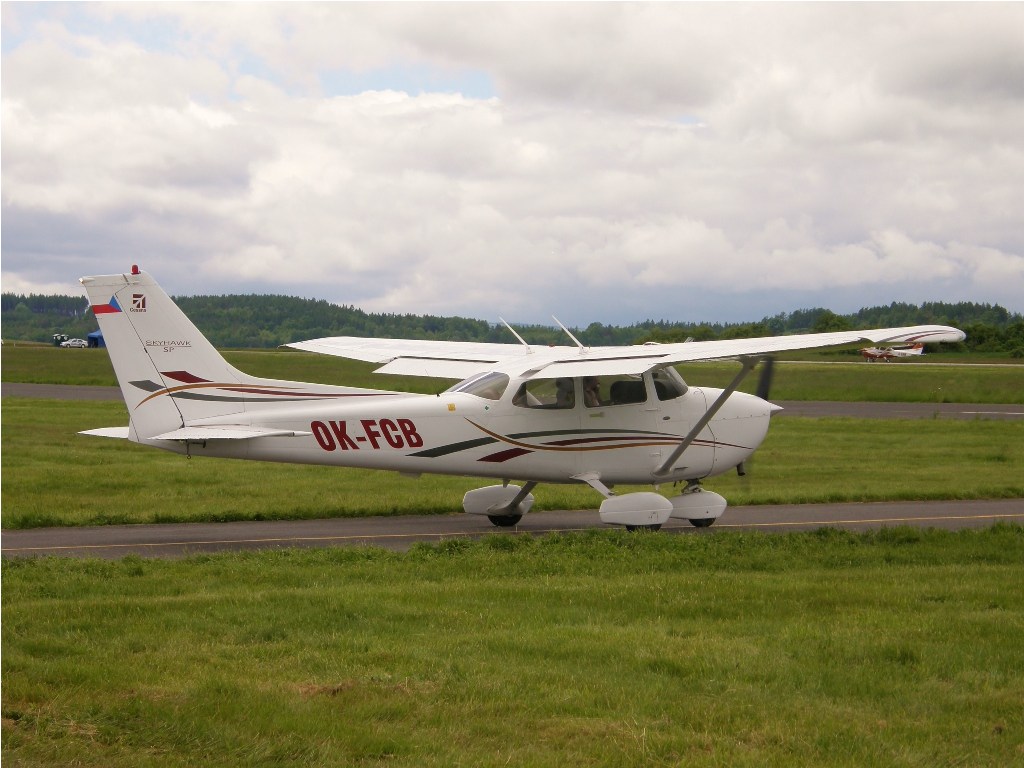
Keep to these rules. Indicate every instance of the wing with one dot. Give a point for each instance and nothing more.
(455, 359)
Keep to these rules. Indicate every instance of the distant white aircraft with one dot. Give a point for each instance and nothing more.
(871, 354)
(603, 416)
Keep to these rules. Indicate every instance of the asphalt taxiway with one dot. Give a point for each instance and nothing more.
(401, 533)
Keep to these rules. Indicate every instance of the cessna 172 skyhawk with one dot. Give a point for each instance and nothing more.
(603, 416)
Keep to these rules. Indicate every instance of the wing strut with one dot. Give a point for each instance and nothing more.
(521, 496)
(749, 363)
(513, 332)
(569, 334)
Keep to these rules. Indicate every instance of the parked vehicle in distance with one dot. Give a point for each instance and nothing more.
(81, 343)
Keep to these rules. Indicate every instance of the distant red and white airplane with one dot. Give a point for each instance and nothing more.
(871, 354)
(599, 416)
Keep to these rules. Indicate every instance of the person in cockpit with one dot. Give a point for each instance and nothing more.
(566, 394)
(591, 392)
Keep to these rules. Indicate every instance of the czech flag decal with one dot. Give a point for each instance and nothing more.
(106, 309)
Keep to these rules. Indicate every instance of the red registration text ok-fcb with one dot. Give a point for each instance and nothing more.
(371, 433)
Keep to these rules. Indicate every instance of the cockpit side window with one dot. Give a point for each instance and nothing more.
(490, 386)
(601, 391)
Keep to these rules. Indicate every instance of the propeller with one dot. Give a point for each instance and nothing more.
(764, 386)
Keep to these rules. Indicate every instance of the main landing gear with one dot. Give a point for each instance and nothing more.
(505, 505)
(652, 527)
(698, 506)
(505, 521)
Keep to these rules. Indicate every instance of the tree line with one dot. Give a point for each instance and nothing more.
(254, 321)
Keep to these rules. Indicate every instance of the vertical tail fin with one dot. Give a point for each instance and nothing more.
(157, 352)
(171, 376)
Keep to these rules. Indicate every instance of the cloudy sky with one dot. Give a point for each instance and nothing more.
(602, 162)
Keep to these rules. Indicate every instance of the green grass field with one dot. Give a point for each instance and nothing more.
(895, 648)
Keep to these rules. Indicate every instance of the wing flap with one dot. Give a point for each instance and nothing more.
(440, 369)
(385, 350)
(411, 357)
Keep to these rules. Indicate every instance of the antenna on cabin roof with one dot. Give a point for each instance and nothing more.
(569, 333)
(513, 332)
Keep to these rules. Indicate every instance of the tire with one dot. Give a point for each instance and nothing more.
(702, 522)
(505, 521)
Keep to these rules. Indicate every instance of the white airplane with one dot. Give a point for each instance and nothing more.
(603, 416)
(889, 353)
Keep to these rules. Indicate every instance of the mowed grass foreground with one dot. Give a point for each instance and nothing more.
(54, 476)
(900, 647)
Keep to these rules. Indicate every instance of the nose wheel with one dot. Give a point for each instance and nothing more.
(505, 521)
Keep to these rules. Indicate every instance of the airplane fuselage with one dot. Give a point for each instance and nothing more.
(462, 434)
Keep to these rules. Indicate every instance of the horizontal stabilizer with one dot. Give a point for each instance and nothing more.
(227, 432)
(121, 433)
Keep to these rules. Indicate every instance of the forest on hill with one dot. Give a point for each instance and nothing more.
(254, 321)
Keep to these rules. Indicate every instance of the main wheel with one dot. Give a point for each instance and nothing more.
(702, 522)
(505, 521)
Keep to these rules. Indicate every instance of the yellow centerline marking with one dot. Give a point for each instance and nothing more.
(453, 534)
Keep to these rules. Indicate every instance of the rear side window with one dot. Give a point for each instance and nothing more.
(546, 393)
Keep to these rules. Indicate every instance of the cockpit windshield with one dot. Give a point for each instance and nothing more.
(668, 383)
(490, 386)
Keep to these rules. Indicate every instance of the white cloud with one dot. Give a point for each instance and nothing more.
(740, 155)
